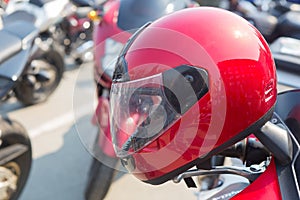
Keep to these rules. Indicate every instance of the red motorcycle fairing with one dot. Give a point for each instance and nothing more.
(287, 111)
(264, 187)
(277, 181)
(281, 182)
(101, 119)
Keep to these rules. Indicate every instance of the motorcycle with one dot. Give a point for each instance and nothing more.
(275, 177)
(15, 148)
(272, 26)
(277, 23)
(110, 34)
(15, 158)
(75, 32)
(68, 21)
(38, 61)
(44, 13)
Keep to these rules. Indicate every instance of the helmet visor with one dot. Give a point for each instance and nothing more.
(139, 112)
(142, 109)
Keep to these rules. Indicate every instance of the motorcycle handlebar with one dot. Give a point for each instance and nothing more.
(249, 150)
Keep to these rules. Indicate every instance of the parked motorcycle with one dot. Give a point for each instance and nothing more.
(280, 7)
(279, 25)
(284, 24)
(15, 147)
(45, 14)
(287, 117)
(75, 31)
(78, 29)
(38, 67)
(70, 26)
(15, 158)
(174, 108)
(111, 32)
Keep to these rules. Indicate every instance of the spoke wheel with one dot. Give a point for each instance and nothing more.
(41, 79)
(14, 174)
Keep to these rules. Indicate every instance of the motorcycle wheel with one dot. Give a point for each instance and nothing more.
(100, 178)
(43, 75)
(12, 133)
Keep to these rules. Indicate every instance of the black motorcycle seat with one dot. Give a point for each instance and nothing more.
(24, 30)
(9, 45)
(15, 36)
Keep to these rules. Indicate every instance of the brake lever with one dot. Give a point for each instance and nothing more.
(251, 173)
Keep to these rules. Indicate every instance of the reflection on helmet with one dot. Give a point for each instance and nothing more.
(183, 91)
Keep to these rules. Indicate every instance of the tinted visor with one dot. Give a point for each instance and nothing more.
(141, 110)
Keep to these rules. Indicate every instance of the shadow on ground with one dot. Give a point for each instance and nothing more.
(61, 174)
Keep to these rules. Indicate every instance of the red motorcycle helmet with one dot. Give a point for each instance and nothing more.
(186, 87)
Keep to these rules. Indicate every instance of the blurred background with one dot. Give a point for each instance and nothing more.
(61, 125)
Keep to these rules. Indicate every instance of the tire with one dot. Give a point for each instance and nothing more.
(14, 133)
(100, 178)
(42, 77)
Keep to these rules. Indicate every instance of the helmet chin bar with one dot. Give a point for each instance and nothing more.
(274, 139)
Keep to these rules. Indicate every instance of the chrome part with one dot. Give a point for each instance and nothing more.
(41, 68)
(8, 180)
(231, 185)
(251, 173)
(209, 182)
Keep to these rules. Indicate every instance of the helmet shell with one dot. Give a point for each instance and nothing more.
(242, 86)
